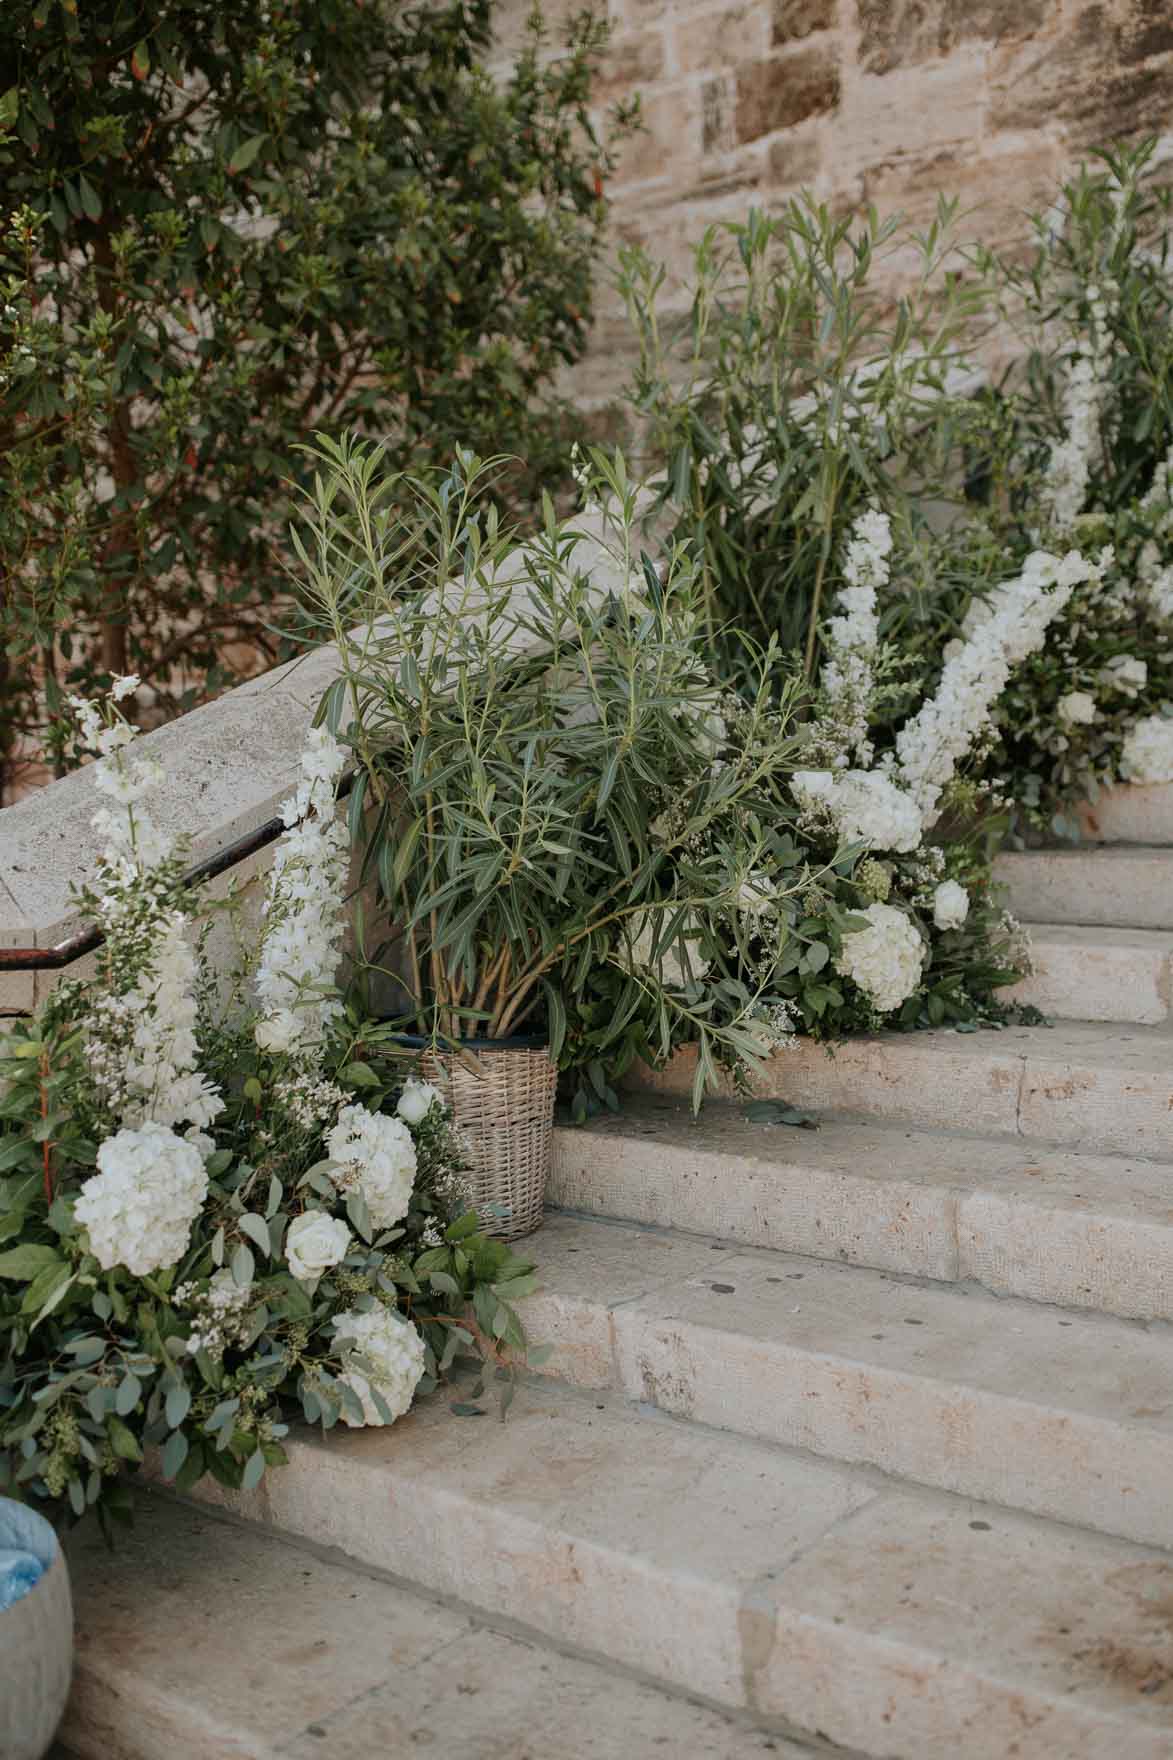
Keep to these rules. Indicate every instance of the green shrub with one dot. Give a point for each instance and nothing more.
(793, 394)
(549, 786)
(219, 226)
(1079, 444)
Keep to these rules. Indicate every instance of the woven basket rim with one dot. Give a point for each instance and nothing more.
(514, 1042)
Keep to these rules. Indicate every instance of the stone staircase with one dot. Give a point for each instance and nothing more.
(852, 1441)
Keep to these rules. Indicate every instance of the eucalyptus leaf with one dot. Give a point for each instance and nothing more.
(778, 1112)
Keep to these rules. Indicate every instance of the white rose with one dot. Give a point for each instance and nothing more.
(313, 1243)
(278, 1032)
(417, 1100)
(756, 895)
(950, 905)
(1077, 709)
(1126, 674)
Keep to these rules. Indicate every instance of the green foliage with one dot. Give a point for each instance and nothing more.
(1102, 258)
(549, 784)
(795, 393)
(572, 825)
(220, 226)
(95, 1369)
(792, 396)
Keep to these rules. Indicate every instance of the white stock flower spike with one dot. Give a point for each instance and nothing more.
(304, 911)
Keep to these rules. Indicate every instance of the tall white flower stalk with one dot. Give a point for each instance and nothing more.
(848, 679)
(949, 725)
(304, 912)
(1154, 567)
(141, 1045)
(1086, 397)
(930, 747)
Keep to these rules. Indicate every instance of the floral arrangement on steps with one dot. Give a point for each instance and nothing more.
(892, 802)
(785, 403)
(550, 796)
(909, 931)
(591, 836)
(1082, 452)
(218, 1209)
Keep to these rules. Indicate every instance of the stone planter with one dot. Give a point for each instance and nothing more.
(36, 1641)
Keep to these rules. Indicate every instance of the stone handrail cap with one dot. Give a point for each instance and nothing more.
(228, 766)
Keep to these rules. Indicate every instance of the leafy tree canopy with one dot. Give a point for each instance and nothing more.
(223, 226)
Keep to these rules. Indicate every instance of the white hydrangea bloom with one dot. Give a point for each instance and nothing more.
(314, 1243)
(847, 678)
(1147, 753)
(417, 1100)
(930, 746)
(382, 1353)
(866, 806)
(1126, 674)
(140, 1205)
(886, 959)
(1158, 582)
(1077, 709)
(950, 905)
(302, 940)
(375, 1155)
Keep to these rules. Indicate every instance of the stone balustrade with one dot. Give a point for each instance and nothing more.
(227, 768)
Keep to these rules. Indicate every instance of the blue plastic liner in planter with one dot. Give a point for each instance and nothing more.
(28, 1547)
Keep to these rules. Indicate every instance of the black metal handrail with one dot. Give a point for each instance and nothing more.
(50, 959)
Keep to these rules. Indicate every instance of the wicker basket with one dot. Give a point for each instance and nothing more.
(505, 1107)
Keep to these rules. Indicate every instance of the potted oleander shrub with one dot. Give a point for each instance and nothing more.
(546, 790)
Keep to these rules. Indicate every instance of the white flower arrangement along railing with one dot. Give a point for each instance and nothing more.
(251, 1233)
(892, 805)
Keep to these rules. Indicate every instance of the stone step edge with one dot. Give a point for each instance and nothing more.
(1089, 973)
(1013, 1237)
(1129, 812)
(111, 1691)
(1124, 886)
(1028, 1450)
(538, 1571)
(1047, 1085)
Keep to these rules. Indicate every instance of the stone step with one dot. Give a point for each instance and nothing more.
(891, 1620)
(198, 1639)
(1083, 1231)
(1067, 1415)
(1123, 888)
(1131, 813)
(1088, 1085)
(1089, 974)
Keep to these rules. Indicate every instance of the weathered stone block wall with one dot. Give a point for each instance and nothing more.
(889, 102)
